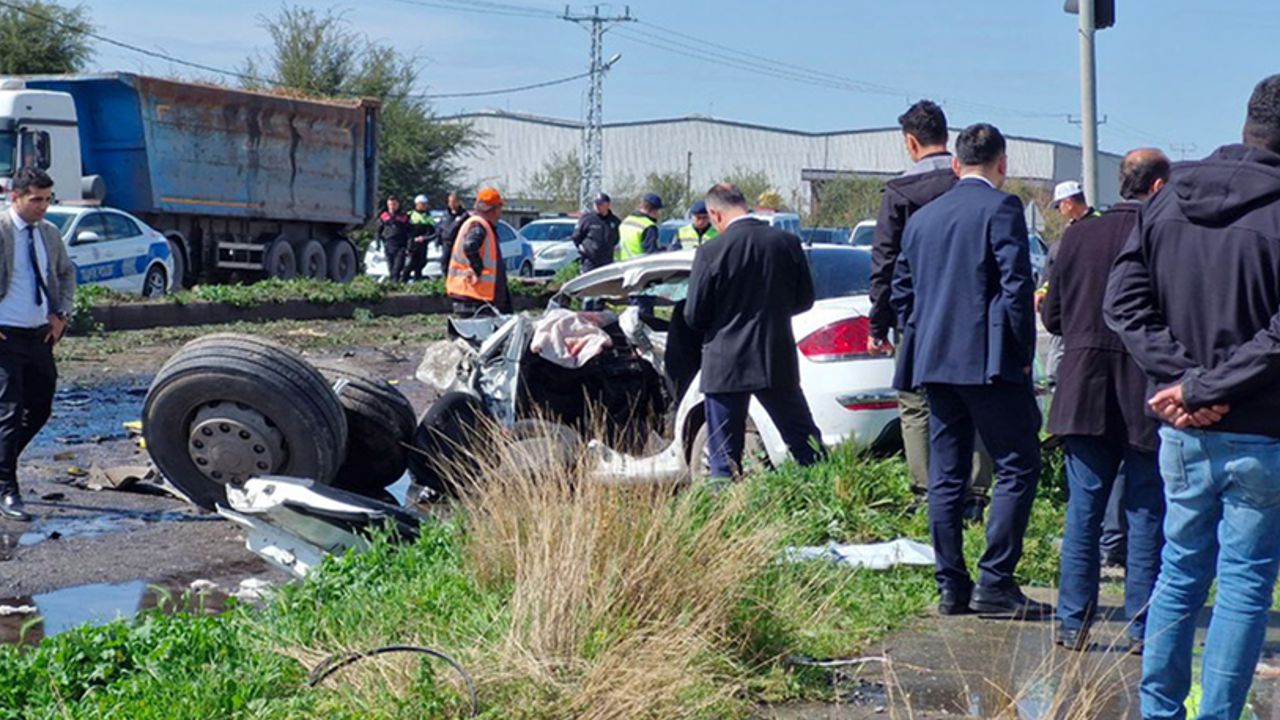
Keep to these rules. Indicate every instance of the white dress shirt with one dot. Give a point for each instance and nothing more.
(18, 308)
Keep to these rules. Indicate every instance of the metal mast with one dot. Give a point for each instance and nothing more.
(593, 132)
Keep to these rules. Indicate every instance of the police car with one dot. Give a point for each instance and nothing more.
(114, 249)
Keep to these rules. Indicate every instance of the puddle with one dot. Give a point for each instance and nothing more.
(66, 527)
(91, 414)
(30, 619)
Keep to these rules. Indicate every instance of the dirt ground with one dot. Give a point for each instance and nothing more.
(108, 540)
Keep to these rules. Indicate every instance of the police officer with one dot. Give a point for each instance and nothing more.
(422, 230)
(393, 232)
(698, 231)
(638, 234)
(596, 235)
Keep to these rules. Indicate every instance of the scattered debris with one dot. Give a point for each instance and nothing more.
(77, 472)
(876, 556)
(54, 497)
(133, 478)
(252, 590)
(7, 610)
(203, 587)
(64, 456)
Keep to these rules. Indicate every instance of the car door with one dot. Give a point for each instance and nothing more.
(85, 245)
(126, 247)
(512, 247)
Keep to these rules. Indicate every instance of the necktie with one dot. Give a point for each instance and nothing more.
(42, 291)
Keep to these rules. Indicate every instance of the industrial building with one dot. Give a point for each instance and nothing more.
(515, 146)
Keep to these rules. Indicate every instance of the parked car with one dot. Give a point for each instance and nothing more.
(788, 221)
(516, 255)
(114, 249)
(864, 234)
(825, 236)
(547, 240)
(647, 382)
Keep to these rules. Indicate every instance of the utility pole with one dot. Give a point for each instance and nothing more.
(593, 131)
(1088, 103)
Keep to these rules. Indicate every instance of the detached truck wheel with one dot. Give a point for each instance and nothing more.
(380, 422)
(227, 407)
(442, 442)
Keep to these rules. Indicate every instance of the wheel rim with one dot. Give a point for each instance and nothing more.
(232, 442)
(155, 283)
(282, 264)
(315, 268)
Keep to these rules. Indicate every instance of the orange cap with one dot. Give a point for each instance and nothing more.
(489, 196)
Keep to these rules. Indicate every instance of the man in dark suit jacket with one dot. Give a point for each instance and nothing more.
(964, 296)
(1099, 410)
(745, 287)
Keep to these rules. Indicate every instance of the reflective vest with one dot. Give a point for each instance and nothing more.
(689, 239)
(631, 236)
(420, 218)
(462, 281)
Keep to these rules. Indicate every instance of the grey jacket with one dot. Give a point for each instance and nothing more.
(60, 277)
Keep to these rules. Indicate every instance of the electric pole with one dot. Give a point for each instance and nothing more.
(593, 131)
(1088, 103)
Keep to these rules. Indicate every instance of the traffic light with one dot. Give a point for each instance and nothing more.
(1104, 12)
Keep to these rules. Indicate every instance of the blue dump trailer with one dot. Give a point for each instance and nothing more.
(243, 184)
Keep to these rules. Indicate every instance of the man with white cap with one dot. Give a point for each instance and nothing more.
(1069, 201)
(422, 230)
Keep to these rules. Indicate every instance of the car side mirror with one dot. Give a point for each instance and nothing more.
(87, 236)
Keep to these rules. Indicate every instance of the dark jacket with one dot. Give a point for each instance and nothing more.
(743, 290)
(393, 230)
(472, 245)
(1195, 294)
(1101, 391)
(963, 291)
(596, 238)
(449, 227)
(924, 182)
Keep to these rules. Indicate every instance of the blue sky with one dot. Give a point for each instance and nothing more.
(1173, 73)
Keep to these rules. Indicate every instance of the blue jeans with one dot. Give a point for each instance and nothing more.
(1223, 495)
(1093, 464)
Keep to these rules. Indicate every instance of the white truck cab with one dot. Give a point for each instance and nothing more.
(38, 128)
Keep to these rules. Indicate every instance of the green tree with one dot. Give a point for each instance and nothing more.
(845, 202)
(752, 183)
(318, 54)
(1041, 195)
(44, 38)
(672, 189)
(555, 187)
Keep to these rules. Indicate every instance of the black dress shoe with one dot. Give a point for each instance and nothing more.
(1008, 602)
(12, 508)
(1077, 639)
(953, 602)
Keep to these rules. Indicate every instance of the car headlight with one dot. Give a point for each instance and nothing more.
(553, 254)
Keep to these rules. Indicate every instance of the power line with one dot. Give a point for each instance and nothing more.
(484, 8)
(505, 91)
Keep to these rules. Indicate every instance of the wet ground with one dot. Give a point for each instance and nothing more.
(92, 555)
(946, 668)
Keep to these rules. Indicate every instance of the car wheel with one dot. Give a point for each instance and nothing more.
(755, 460)
(279, 261)
(526, 269)
(312, 262)
(380, 422)
(342, 260)
(227, 407)
(155, 283)
(441, 441)
(542, 447)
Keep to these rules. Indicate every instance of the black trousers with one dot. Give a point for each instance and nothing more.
(727, 427)
(1007, 418)
(28, 378)
(397, 261)
(417, 260)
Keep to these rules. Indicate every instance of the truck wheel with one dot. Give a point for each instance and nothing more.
(342, 261)
(178, 256)
(380, 422)
(278, 261)
(440, 443)
(312, 262)
(227, 407)
(156, 282)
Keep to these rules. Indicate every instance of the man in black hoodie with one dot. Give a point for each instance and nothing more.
(1195, 296)
(924, 131)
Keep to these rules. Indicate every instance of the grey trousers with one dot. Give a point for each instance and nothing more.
(913, 410)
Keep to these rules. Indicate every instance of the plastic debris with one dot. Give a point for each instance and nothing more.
(876, 556)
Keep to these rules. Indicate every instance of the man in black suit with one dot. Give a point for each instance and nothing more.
(964, 297)
(743, 291)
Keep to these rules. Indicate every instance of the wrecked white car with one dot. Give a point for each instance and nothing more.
(627, 382)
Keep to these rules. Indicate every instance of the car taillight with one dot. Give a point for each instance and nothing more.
(843, 340)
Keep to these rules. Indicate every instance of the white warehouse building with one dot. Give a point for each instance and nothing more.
(513, 147)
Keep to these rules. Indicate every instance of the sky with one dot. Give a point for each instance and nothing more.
(1171, 73)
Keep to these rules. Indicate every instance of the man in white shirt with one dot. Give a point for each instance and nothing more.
(37, 287)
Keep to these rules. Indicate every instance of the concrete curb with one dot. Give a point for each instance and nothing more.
(144, 316)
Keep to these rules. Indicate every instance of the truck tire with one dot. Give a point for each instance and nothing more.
(312, 261)
(279, 261)
(441, 441)
(380, 423)
(178, 256)
(343, 266)
(228, 407)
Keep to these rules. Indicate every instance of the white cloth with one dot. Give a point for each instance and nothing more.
(571, 339)
(877, 556)
(18, 308)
